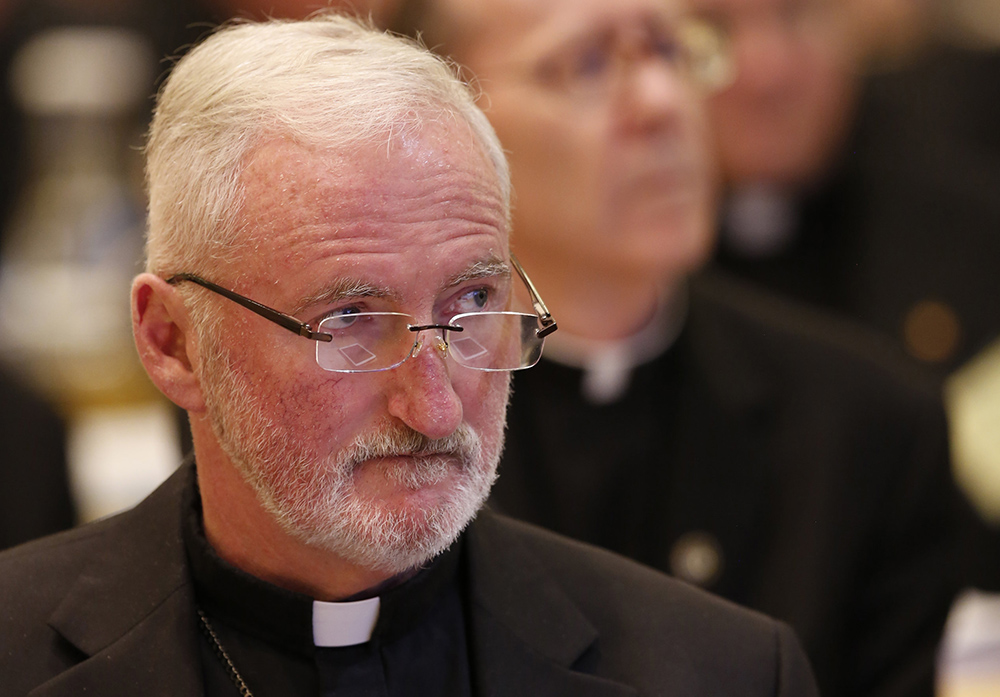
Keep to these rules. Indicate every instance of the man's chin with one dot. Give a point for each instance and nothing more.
(408, 531)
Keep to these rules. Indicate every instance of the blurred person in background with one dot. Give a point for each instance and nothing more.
(860, 161)
(859, 149)
(743, 443)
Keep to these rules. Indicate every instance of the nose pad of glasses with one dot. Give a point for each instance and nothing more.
(437, 342)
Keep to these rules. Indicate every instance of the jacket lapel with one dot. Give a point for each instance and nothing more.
(528, 637)
(131, 612)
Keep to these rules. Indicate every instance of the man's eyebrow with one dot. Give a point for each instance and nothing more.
(356, 288)
(488, 268)
(345, 288)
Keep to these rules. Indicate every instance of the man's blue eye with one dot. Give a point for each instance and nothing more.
(591, 63)
(471, 301)
(480, 297)
(342, 318)
(666, 48)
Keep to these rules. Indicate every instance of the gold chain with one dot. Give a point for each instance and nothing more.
(234, 674)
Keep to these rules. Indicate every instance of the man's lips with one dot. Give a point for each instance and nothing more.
(412, 471)
(664, 186)
(661, 178)
(412, 461)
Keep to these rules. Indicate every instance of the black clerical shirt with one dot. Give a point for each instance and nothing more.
(418, 646)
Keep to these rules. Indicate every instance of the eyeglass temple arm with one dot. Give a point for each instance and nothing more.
(280, 318)
(544, 316)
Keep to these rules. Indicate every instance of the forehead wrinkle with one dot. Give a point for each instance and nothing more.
(471, 197)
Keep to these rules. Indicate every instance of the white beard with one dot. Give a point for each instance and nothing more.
(315, 500)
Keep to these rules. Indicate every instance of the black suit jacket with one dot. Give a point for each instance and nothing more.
(34, 484)
(108, 609)
(816, 469)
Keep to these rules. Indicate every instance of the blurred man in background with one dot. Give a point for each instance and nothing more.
(744, 444)
(858, 147)
(869, 193)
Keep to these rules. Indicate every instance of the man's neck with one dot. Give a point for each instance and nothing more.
(244, 534)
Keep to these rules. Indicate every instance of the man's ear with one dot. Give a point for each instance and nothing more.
(165, 340)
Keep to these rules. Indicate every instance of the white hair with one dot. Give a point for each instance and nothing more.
(329, 82)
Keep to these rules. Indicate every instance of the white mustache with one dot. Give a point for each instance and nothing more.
(402, 441)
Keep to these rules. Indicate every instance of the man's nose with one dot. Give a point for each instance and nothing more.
(421, 393)
(655, 93)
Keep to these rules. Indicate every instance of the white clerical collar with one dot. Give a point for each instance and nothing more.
(344, 624)
(607, 365)
(760, 221)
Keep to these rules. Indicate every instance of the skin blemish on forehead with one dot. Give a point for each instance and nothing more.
(282, 182)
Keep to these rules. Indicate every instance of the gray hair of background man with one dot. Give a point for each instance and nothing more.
(331, 82)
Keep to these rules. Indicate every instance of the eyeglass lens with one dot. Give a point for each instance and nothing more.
(594, 67)
(372, 341)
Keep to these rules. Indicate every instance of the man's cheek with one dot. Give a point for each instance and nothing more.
(319, 415)
(486, 409)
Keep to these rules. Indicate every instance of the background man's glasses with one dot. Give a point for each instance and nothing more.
(595, 67)
(365, 342)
